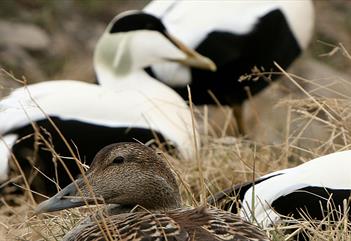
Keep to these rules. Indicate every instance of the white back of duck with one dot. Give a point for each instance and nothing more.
(331, 171)
(156, 107)
(192, 21)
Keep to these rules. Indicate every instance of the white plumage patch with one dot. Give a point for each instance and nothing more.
(329, 171)
(6, 143)
(153, 106)
(191, 21)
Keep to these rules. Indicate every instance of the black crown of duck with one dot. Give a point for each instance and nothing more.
(136, 20)
(131, 174)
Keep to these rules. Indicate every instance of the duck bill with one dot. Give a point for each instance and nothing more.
(193, 58)
(65, 199)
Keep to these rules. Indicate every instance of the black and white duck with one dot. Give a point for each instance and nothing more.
(135, 106)
(236, 35)
(317, 189)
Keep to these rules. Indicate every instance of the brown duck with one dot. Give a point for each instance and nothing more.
(131, 174)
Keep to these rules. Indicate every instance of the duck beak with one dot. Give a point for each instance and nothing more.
(193, 58)
(65, 199)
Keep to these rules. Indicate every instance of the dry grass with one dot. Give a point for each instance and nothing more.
(222, 161)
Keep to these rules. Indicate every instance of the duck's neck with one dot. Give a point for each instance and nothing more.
(117, 79)
(113, 209)
(163, 196)
(154, 193)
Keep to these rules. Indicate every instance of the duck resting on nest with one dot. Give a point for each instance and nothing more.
(131, 174)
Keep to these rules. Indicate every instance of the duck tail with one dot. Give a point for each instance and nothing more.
(6, 144)
(230, 198)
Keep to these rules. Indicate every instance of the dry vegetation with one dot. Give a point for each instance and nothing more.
(224, 160)
(312, 120)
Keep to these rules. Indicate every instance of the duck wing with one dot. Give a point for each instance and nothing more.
(178, 225)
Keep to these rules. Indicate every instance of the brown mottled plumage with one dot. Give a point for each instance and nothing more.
(131, 174)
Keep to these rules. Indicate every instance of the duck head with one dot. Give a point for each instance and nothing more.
(127, 174)
(135, 40)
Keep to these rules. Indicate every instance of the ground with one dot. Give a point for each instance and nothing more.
(43, 40)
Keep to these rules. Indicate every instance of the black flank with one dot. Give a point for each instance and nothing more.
(235, 55)
(87, 138)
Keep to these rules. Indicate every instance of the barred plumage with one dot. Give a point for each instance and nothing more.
(142, 178)
(179, 224)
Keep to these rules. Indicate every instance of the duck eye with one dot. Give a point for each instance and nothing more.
(118, 160)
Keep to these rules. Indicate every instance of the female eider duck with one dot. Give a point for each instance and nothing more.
(315, 189)
(89, 116)
(152, 187)
(236, 35)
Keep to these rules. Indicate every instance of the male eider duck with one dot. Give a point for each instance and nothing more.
(313, 190)
(129, 175)
(236, 35)
(89, 116)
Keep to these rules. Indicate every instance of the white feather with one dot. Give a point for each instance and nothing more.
(329, 171)
(6, 143)
(191, 21)
(119, 55)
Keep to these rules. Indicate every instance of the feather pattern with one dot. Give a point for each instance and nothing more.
(179, 224)
(151, 185)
